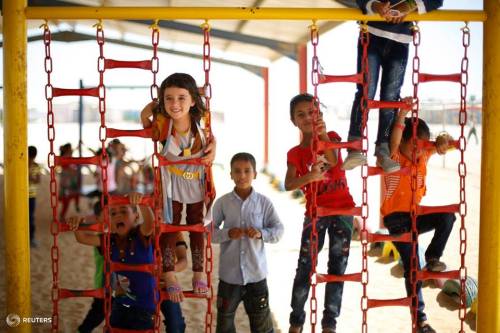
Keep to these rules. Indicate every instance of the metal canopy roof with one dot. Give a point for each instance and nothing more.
(263, 39)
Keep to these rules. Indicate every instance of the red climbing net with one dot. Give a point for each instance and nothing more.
(102, 161)
(363, 78)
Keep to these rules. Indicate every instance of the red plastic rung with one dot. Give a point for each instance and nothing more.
(177, 228)
(187, 294)
(93, 92)
(123, 200)
(422, 210)
(426, 77)
(146, 268)
(140, 133)
(372, 104)
(69, 293)
(403, 238)
(427, 275)
(354, 277)
(324, 145)
(376, 303)
(327, 211)
(353, 78)
(64, 161)
(193, 161)
(375, 171)
(139, 64)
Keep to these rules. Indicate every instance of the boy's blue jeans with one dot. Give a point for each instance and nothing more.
(339, 230)
(255, 297)
(174, 321)
(442, 223)
(391, 57)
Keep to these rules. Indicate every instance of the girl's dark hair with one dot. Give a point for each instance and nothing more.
(32, 151)
(423, 131)
(305, 97)
(247, 157)
(185, 81)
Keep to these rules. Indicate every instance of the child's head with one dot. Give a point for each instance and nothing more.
(423, 133)
(243, 170)
(301, 112)
(32, 152)
(123, 218)
(179, 95)
(66, 150)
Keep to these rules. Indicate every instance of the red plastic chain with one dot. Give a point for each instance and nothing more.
(462, 172)
(315, 73)
(365, 40)
(155, 65)
(207, 94)
(103, 165)
(414, 267)
(51, 161)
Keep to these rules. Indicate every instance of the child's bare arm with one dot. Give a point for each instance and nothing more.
(147, 214)
(147, 113)
(293, 182)
(83, 237)
(399, 126)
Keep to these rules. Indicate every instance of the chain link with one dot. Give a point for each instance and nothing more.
(313, 237)
(51, 161)
(462, 172)
(365, 40)
(414, 179)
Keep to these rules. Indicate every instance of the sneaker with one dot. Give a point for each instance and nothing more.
(387, 164)
(426, 328)
(34, 244)
(434, 265)
(354, 159)
(295, 329)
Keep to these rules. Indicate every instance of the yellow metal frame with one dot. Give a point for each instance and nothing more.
(242, 13)
(15, 14)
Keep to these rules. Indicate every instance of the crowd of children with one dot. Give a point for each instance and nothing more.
(244, 220)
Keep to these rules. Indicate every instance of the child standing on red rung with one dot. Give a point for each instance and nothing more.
(333, 192)
(176, 123)
(396, 205)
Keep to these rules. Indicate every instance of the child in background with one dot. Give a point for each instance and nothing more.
(69, 183)
(397, 202)
(34, 171)
(176, 123)
(134, 292)
(333, 192)
(249, 220)
(387, 51)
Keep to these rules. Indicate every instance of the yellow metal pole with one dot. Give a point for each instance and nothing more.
(240, 13)
(488, 317)
(15, 220)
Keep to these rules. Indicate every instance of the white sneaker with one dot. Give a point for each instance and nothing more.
(353, 159)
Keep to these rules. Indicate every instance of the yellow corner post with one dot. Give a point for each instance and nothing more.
(488, 317)
(17, 256)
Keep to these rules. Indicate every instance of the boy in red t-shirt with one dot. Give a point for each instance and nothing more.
(333, 192)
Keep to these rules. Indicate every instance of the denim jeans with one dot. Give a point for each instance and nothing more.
(255, 297)
(398, 223)
(339, 230)
(391, 57)
(174, 321)
(132, 318)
